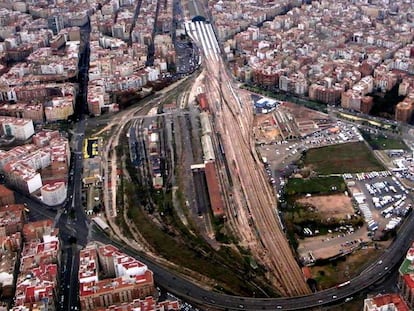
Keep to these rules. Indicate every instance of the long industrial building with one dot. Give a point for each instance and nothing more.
(205, 123)
(214, 192)
(207, 146)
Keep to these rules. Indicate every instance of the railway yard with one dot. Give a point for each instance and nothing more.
(231, 162)
(227, 157)
(232, 200)
(209, 158)
(252, 209)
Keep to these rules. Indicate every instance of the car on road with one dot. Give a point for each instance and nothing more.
(334, 297)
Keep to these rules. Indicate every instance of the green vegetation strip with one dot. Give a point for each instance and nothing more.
(319, 185)
(381, 142)
(230, 268)
(343, 158)
(344, 268)
(184, 255)
(173, 241)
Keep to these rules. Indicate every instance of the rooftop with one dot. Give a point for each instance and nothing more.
(407, 267)
(391, 299)
(4, 191)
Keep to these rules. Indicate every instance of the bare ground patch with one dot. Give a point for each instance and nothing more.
(343, 270)
(330, 206)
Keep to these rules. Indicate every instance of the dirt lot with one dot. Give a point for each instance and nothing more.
(265, 129)
(326, 246)
(336, 205)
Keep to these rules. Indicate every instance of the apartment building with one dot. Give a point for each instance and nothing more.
(385, 302)
(406, 278)
(54, 193)
(22, 129)
(127, 279)
(37, 281)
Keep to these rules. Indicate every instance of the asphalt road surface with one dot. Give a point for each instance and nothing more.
(374, 274)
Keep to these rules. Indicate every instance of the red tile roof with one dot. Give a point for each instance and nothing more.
(216, 201)
(408, 280)
(391, 298)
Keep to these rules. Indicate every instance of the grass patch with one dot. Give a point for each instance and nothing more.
(194, 258)
(344, 268)
(62, 126)
(173, 241)
(343, 158)
(319, 185)
(381, 142)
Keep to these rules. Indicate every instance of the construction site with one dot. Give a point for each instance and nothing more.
(288, 121)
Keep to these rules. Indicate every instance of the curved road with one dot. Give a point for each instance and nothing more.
(190, 292)
(193, 293)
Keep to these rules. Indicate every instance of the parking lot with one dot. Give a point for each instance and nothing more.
(187, 57)
(380, 197)
(383, 202)
(341, 133)
(278, 155)
(338, 242)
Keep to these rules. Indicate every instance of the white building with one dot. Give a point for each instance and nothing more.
(153, 73)
(23, 176)
(6, 279)
(387, 302)
(207, 146)
(22, 129)
(54, 194)
(38, 159)
(125, 267)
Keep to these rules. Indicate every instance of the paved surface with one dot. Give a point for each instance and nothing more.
(192, 293)
(330, 245)
(186, 290)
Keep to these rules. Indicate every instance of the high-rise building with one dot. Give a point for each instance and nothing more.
(403, 111)
(55, 23)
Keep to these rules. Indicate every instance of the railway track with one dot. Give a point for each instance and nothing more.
(252, 193)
